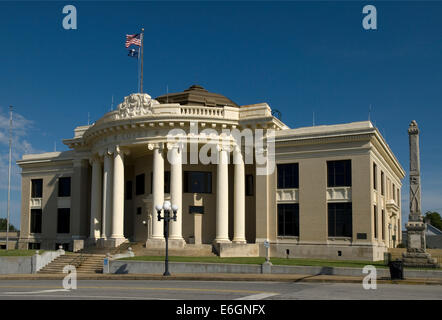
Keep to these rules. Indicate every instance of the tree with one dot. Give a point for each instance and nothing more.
(3, 225)
(434, 218)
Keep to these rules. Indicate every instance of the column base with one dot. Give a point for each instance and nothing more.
(177, 243)
(155, 243)
(90, 242)
(239, 241)
(110, 243)
(218, 241)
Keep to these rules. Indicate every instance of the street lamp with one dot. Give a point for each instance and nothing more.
(166, 207)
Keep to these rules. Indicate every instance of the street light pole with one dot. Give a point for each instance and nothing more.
(166, 218)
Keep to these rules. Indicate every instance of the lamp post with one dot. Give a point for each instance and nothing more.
(166, 218)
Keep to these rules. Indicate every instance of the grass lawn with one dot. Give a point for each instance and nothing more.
(260, 260)
(16, 253)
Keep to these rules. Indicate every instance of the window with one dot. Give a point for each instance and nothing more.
(339, 173)
(64, 187)
(36, 215)
(36, 188)
(375, 214)
(383, 224)
(394, 192)
(139, 184)
(340, 219)
(63, 220)
(166, 182)
(382, 183)
(139, 210)
(288, 219)
(288, 175)
(128, 190)
(249, 185)
(398, 198)
(375, 174)
(197, 182)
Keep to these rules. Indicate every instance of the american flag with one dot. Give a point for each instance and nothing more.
(133, 39)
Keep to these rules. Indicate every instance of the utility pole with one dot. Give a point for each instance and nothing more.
(9, 177)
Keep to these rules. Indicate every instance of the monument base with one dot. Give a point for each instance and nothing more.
(416, 255)
(419, 259)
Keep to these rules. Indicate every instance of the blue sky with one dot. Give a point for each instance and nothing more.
(300, 57)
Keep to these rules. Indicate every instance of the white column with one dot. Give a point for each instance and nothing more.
(176, 189)
(239, 198)
(158, 188)
(222, 197)
(96, 189)
(118, 196)
(107, 196)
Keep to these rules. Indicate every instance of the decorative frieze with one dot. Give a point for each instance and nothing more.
(35, 203)
(339, 194)
(287, 195)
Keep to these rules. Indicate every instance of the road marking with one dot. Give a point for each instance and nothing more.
(144, 288)
(41, 291)
(258, 296)
(92, 297)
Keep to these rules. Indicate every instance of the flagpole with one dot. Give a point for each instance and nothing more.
(138, 70)
(142, 49)
(9, 177)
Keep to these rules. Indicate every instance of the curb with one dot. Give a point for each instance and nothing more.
(223, 277)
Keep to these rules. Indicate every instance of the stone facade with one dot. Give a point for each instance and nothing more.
(128, 161)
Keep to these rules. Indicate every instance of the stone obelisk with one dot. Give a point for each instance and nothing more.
(416, 254)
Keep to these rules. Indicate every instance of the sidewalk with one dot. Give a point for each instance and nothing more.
(221, 277)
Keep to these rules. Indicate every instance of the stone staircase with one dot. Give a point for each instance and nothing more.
(83, 262)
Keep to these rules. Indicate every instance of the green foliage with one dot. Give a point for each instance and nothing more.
(18, 253)
(3, 226)
(260, 260)
(435, 219)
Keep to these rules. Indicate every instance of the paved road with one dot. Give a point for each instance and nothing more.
(209, 290)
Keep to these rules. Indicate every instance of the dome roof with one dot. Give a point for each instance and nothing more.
(197, 95)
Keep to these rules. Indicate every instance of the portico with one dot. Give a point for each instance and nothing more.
(108, 201)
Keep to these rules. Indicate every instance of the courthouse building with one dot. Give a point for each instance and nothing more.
(330, 191)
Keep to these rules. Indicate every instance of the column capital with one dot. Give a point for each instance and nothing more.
(152, 146)
(105, 152)
(174, 145)
(224, 147)
(121, 150)
(94, 158)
